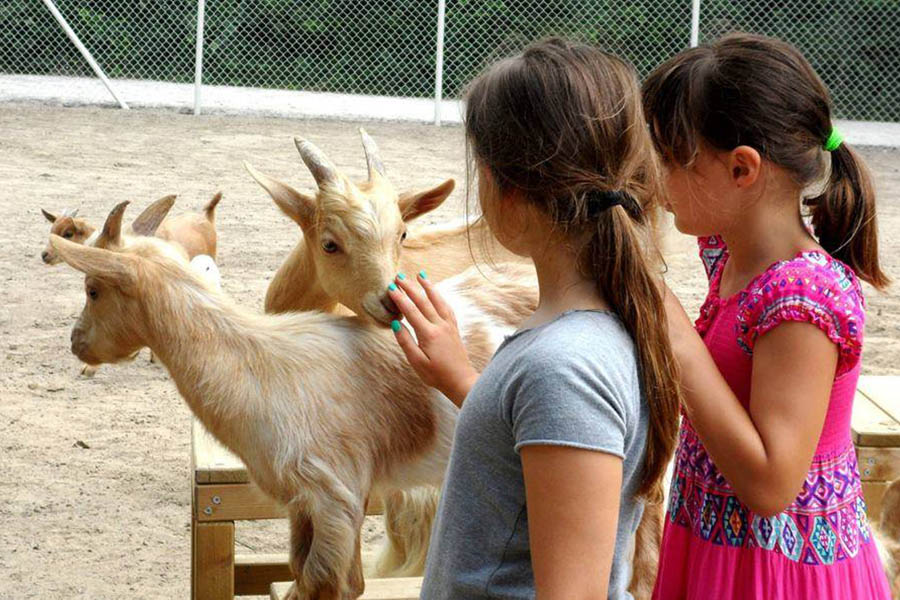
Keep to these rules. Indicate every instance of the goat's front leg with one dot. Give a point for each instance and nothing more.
(333, 568)
(88, 370)
(301, 539)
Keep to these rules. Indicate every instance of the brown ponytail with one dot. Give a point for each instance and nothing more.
(761, 92)
(843, 217)
(627, 278)
(562, 125)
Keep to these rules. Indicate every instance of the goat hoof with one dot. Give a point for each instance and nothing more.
(153, 359)
(88, 371)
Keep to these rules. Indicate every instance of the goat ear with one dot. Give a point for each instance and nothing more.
(116, 268)
(416, 204)
(49, 216)
(148, 221)
(111, 235)
(299, 207)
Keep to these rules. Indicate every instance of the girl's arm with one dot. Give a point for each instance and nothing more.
(764, 454)
(572, 497)
(439, 357)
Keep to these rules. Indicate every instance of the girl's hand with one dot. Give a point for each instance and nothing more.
(439, 357)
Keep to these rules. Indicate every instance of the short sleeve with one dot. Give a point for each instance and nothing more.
(812, 288)
(712, 249)
(567, 403)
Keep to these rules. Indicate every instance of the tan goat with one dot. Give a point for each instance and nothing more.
(324, 410)
(194, 232)
(355, 240)
(80, 232)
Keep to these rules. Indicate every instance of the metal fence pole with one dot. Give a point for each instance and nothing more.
(695, 23)
(84, 51)
(439, 63)
(198, 57)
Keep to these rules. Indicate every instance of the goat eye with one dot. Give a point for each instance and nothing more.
(92, 293)
(330, 247)
(403, 236)
(68, 234)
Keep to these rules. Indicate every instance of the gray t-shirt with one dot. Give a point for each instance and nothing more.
(571, 382)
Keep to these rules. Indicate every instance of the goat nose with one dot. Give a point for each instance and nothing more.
(388, 304)
(45, 256)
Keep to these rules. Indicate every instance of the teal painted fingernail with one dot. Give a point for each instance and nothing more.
(393, 287)
(401, 276)
(395, 326)
(422, 274)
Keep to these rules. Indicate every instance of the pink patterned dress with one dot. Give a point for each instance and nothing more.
(821, 546)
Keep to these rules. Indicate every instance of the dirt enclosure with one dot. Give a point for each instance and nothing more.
(94, 473)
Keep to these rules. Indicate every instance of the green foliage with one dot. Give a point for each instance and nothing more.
(388, 46)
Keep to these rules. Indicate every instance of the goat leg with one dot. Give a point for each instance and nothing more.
(336, 529)
(645, 561)
(301, 539)
(357, 583)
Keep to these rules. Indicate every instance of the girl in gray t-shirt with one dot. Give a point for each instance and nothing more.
(574, 419)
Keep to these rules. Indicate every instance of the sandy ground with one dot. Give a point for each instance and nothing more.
(94, 491)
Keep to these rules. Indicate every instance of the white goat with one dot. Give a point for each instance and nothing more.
(323, 410)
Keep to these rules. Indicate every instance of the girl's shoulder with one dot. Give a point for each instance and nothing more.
(812, 287)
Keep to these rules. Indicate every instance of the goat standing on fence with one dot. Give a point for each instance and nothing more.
(355, 240)
(322, 409)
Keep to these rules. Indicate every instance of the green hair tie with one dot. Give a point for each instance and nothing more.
(834, 140)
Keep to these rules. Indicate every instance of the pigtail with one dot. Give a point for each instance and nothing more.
(843, 217)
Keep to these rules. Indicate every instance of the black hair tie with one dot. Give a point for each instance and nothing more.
(601, 200)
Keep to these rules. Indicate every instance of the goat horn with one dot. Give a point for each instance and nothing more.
(112, 228)
(373, 159)
(322, 169)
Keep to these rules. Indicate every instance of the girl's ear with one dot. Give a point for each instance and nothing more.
(744, 164)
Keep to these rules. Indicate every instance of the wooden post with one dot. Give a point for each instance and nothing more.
(212, 561)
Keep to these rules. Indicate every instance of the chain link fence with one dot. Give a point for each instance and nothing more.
(387, 47)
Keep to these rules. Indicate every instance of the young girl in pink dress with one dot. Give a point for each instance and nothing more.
(765, 502)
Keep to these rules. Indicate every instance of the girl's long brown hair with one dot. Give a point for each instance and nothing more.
(562, 125)
(761, 92)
